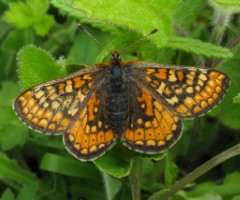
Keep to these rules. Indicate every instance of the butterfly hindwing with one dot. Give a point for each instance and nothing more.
(152, 127)
(91, 135)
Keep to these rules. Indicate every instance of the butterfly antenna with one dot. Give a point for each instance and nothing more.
(142, 38)
(91, 36)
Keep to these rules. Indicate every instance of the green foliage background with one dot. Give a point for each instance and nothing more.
(45, 38)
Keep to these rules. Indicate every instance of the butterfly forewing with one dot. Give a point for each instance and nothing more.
(188, 91)
(54, 106)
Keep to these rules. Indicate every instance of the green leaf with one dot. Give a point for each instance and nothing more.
(43, 26)
(114, 163)
(170, 170)
(119, 14)
(67, 7)
(233, 178)
(37, 66)
(198, 47)
(59, 164)
(46, 141)
(19, 14)
(28, 192)
(112, 185)
(38, 7)
(10, 170)
(8, 93)
(147, 166)
(208, 195)
(12, 131)
(5, 28)
(123, 11)
(157, 157)
(236, 197)
(236, 99)
(84, 50)
(231, 186)
(228, 5)
(186, 19)
(84, 188)
(7, 195)
(16, 39)
(31, 13)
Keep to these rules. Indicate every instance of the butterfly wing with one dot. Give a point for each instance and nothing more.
(69, 105)
(90, 136)
(189, 91)
(53, 106)
(152, 127)
(160, 95)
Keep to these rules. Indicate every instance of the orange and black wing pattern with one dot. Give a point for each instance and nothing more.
(68, 105)
(189, 91)
(91, 135)
(52, 107)
(82, 105)
(152, 126)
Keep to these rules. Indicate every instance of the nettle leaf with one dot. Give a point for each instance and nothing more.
(84, 50)
(228, 5)
(134, 15)
(186, 19)
(128, 14)
(198, 47)
(31, 13)
(67, 7)
(37, 66)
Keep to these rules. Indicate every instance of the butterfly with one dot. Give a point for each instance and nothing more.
(139, 103)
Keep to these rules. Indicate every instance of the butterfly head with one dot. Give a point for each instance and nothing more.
(115, 58)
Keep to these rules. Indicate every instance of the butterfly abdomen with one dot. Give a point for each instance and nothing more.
(118, 111)
(117, 101)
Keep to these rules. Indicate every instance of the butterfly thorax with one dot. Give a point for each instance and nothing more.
(117, 98)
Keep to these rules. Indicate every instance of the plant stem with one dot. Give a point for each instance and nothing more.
(193, 141)
(135, 178)
(221, 20)
(165, 194)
